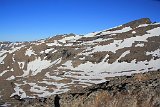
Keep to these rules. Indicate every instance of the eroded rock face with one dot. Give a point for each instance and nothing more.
(138, 90)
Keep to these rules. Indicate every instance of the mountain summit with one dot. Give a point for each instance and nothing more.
(67, 62)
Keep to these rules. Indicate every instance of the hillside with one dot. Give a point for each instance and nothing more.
(55, 65)
(138, 90)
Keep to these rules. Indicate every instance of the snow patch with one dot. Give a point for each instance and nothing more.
(53, 77)
(129, 41)
(143, 25)
(1, 74)
(21, 65)
(18, 91)
(12, 70)
(91, 34)
(139, 45)
(5, 105)
(55, 43)
(29, 52)
(124, 54)
(155, 53)
(104, 69)
(48, 50)
(40, 91)
(69, 39)
(133, 32)
(125, 29)
(2, 57)
(11, 78)
(36, 66)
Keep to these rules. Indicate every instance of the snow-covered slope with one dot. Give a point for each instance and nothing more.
(65, 62)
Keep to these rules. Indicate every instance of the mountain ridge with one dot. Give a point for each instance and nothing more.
(66, 62)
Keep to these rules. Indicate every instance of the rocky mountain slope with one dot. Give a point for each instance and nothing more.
(68, 62)
(138, 90)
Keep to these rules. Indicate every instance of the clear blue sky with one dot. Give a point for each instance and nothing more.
(22, 20)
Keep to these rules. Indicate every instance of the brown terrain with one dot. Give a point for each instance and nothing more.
(138, 90)
(40, 71)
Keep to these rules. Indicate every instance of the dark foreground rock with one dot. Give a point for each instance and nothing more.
(138, 90)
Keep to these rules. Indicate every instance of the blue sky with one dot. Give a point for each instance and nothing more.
(26, 20)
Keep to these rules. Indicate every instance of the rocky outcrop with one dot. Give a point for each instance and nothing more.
(138, 90)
